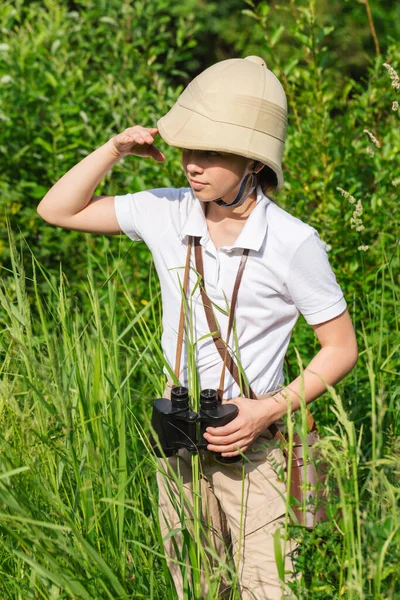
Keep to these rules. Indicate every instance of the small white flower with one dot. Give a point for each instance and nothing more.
(6, 79)
(396, 181)
(4, 47)
(363, 248)
(393, 76)
(346, 195)
(395, 105)
(355, 219)
(372, 138)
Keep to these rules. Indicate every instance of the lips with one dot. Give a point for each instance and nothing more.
(198, 182)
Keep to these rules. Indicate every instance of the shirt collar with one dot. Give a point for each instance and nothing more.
(252, 234)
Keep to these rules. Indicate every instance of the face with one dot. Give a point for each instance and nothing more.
(215, 175)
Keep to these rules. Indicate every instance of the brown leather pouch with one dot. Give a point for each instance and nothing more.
(307, 482)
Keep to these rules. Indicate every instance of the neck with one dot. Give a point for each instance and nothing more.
(238, 213)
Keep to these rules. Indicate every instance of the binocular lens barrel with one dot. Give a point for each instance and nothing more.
(208, 399)
(180, 397)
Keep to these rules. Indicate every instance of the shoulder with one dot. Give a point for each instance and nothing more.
(166, 195)
(150, 213)
(155, 203)
(286, 226)
(287, 233)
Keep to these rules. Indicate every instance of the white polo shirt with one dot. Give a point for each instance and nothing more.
(287, 273)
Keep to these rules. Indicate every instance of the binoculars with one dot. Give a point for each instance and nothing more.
(178, 427)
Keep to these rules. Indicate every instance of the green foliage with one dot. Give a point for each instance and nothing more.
(71, 79)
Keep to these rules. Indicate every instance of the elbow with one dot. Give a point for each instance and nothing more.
(352, 353)
(355, 359)
(40, 210)
(43, 214)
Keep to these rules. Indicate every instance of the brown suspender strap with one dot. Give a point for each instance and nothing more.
(212, 324)
(236, 286)
(179, 342)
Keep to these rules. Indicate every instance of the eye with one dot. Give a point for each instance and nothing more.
(213, 153)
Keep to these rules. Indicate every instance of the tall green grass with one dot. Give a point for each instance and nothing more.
(78, 499)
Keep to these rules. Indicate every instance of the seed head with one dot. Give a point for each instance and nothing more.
(393, 76)
(372, 138)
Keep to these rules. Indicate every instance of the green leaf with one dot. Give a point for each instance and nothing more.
(278, 555)
(249, 13)
(276, 36)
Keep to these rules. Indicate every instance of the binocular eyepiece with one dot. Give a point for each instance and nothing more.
(178, 427)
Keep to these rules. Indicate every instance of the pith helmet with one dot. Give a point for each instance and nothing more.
(236, 106)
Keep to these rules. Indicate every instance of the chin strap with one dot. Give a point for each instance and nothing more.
(240, 198)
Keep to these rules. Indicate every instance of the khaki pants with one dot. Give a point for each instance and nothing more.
(232, 528)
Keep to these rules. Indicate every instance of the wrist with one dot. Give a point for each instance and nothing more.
(113, 150)
(275, 406)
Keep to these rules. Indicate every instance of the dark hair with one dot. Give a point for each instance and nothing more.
(267, 179)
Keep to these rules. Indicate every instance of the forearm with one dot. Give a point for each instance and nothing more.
(74, 190)
(330, 365)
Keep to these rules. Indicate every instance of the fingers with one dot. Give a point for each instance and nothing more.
(231, 449)
(226, 430)
(147, 134)
(145, 137)
(228, 444)
(156, 154)
(236, 453)
(223, 439)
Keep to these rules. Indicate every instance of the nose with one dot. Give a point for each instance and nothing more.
(192, 161)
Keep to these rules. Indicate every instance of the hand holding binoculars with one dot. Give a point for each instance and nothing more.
(179, 427)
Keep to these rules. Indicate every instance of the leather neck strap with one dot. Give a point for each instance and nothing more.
(222, 347)
(179, 343)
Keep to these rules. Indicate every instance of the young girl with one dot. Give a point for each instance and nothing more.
(231, 124)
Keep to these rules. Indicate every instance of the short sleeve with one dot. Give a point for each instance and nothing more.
(145, 215)
(312, 284)
(126, 211)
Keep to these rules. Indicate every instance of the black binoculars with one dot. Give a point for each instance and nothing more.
(178, 427)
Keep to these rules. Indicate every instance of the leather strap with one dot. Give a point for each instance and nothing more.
(236, 286)
(221, 346)
(179, 342)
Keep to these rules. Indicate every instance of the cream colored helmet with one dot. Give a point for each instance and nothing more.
(237, 106)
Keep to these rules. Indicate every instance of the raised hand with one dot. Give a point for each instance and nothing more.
(138, 141)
